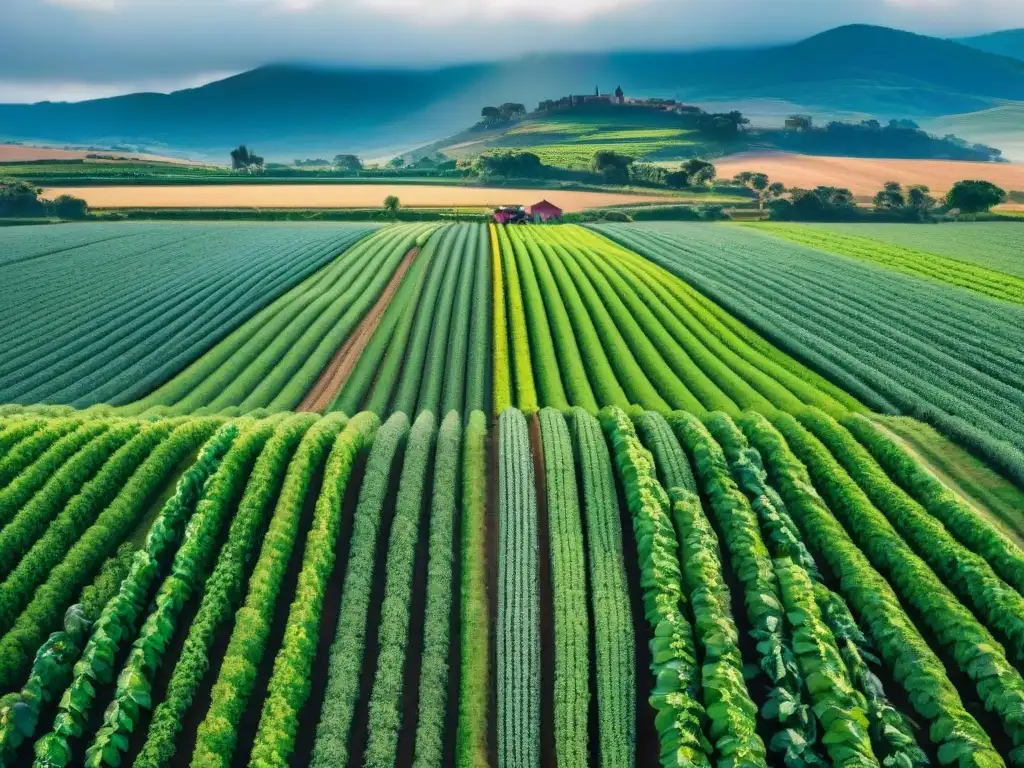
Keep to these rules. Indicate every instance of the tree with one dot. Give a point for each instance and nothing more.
(19, 198)
(799, 123)
(699, 171)
(509, 165)
(348, 163)
(70, 207)
(392, 205)
(678, 180)
(975, 196)
(511, 110)
(761, 185)
(614, 167)
(243, 159)
(922, 203)
(818, 204)
(890, 197)
(397, 162)
(490, 113)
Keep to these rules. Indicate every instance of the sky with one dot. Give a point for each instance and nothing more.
(76, 49)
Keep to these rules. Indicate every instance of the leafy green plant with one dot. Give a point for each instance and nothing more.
(433, 687)
(85, 553)
(217, 736)
(385, 716)
(569, 592)
(675, 697)
(480, 370)
(474, 612)
(523, 385)
(119, 616)
(957, 735)
(518, 620)
(614, 639)
(346, 659)
(24, 442)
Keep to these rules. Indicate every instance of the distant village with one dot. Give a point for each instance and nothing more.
(616, 99)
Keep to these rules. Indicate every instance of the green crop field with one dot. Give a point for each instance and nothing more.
(518, 496)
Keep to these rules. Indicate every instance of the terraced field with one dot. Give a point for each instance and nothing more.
(518, 496)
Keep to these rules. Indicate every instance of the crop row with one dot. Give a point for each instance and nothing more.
(899, 344)
(592, 324)
(112, 319)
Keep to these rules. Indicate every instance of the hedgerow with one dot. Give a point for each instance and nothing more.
(433, 684)
(346, 659)
(957, 735)
(88, 551)
(289, 683)
(673, 652)
(518, 620)
(569, 593)
(222, 590)
(614, 640)
(117, 620)
(217, 736)
(474, 610)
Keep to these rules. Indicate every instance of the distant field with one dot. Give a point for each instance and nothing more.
(337, 196)
(994, 245)
(18, 153)
(865, 176)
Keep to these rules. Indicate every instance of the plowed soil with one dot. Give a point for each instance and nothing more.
(334, 376)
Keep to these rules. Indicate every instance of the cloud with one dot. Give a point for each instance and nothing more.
(121, 42)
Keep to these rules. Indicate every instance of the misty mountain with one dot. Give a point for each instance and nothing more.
(1009, 42)
(293, 110)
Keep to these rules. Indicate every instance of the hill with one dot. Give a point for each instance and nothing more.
(287, 110)
(1009, 42)
(999, 127)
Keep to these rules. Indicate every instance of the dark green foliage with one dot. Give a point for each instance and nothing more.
(222, 591)
(86, 553)
(216, 739)
(569, 593)
(958, 736)
(518, 620)
(433, 684)
(346, 660)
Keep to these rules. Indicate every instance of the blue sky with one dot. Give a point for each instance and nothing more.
(74, 49)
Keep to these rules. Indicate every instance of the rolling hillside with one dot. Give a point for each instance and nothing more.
(292, 109)
(1009, 42)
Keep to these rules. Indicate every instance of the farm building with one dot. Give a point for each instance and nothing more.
(544, 211)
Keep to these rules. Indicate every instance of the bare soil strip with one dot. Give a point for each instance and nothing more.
(340, 368)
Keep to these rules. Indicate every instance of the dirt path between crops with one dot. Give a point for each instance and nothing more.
(978, 505)
(334, 376)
